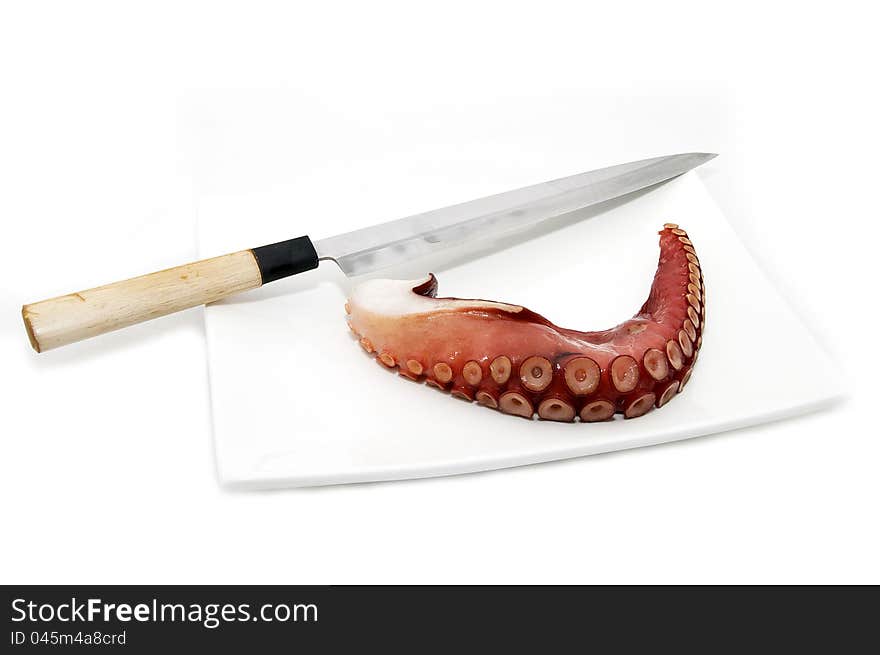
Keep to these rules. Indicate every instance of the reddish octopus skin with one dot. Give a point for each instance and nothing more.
(438, 338)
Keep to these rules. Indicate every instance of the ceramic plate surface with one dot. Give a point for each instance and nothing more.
(296, 402)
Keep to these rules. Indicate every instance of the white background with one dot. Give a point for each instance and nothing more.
(113, 125)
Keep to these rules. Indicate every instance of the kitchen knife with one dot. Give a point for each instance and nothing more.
(76, 316)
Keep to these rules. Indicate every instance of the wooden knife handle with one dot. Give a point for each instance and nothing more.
(76, 316)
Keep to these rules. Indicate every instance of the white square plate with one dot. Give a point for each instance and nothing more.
(296, 402)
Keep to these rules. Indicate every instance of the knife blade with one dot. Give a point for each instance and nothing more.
(381, 246)
(76, 316)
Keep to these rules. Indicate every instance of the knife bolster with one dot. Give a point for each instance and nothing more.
(285, 258)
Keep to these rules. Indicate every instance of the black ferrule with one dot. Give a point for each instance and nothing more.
(285, 258)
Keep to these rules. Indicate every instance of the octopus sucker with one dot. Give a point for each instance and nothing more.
(668, 393)
(472, 373)
(656, 364)
(554, 409)
(442, 372)
(685, 379)
(509, 358)
(582, 376)
(624, 373)
(640, 406)
(598, 410)
(536, 373)
(684, 341)
(487, 399)
(516, 403)
(676, 357)
(499, 369)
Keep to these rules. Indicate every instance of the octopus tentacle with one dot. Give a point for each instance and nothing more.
(509, 358)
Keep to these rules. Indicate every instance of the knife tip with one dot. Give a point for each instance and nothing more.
(693, 159)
